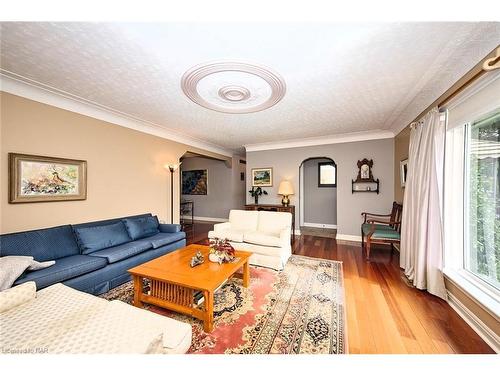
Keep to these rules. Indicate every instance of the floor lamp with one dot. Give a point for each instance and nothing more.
(172, 168)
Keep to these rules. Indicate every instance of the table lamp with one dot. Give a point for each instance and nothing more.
(285, 189)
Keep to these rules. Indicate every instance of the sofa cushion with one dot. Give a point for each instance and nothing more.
(231, 234)
(41, 244)
(243, 220)
(64, 269)
(274, 222)
(162, 239)
(141, 227)
(124, 251)
(268, 251)
(259, 238)
(100, 237)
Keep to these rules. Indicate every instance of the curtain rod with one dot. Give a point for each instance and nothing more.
(489, 63)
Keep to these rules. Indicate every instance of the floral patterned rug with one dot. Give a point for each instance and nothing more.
(298, 310)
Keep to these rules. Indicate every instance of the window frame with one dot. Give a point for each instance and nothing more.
(472, 277)
(320, 185)
(455, 211)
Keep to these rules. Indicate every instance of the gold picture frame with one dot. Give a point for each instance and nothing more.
(35, 178)
(262, 177)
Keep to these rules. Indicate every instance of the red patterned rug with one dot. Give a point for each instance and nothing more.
(298, 310)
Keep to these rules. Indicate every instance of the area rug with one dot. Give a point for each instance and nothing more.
(299, 310)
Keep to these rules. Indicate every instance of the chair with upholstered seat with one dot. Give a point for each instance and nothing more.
(379, 231)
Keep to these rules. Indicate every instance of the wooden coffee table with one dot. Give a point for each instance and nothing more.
(174, 283)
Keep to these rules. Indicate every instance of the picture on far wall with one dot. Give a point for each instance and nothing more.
(34, 178)
(195, 182)
(403, 171)
(262, 177)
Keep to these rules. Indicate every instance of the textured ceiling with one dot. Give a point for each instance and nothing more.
(340, 78)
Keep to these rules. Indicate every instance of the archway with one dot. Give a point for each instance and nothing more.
(318, 196)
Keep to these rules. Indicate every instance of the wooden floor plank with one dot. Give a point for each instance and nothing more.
(384, 313)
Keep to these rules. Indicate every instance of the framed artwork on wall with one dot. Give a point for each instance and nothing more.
(195, 182)
(35, 178)
(403, 171)
(262, 177)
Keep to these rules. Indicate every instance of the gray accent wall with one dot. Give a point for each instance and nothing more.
(225, 189)
(286, 163)
(320, 203)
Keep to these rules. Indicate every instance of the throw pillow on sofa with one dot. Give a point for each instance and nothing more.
(141, 227)
(13, 266)
(100, 237)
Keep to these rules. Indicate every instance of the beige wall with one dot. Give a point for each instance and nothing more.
(401, 146)
(125, 167)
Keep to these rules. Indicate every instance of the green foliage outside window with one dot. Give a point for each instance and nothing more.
(483, 258)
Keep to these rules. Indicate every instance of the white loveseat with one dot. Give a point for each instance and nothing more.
(266, 234)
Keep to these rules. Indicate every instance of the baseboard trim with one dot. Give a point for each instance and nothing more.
(490, 337)
(205, 218)
(317, 225)
(348, 237)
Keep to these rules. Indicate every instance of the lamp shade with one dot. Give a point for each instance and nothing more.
(285, 188)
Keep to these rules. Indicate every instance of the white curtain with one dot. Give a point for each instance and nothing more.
(422, 221)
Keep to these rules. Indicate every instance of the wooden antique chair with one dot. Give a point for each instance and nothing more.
(379, 231)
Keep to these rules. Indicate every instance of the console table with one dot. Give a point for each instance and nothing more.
(276, 208)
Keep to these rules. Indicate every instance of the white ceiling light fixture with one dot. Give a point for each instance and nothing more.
(233, 87)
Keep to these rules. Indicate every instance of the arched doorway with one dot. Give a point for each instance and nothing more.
(318, 197)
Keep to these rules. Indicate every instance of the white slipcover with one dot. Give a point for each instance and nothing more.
(63, 320)
(266, 234)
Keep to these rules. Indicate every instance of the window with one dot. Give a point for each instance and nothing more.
(482, 199)
(327, 174)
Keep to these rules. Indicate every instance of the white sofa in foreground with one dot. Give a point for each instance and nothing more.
(62, 320)
(266, 234)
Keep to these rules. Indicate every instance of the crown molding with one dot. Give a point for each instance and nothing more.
(30, 89)
(317, 141)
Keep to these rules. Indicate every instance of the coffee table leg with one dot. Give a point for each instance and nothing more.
(246, 274)
(208, 321)
(137, 291)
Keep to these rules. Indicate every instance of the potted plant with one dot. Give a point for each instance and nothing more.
(256, 193)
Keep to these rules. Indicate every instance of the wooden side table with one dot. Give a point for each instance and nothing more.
(275, 208)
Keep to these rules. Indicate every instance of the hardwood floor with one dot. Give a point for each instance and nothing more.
(384, 314)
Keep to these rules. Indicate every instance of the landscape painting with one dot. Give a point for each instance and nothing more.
(39, 178)
(195, 182)
(262, 177)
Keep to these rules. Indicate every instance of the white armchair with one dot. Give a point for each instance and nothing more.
(265, 234)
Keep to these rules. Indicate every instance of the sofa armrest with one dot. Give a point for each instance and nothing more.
(169, 228)
(222, 226)
(285, 236)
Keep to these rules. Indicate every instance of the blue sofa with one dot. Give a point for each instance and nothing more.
(93, 257)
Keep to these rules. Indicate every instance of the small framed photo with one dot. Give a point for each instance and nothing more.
(262, 177)
(34, 178)
(403, 171)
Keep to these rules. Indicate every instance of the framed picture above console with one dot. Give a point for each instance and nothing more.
(262, 177)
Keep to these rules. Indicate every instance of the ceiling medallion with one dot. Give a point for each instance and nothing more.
(233, 87)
